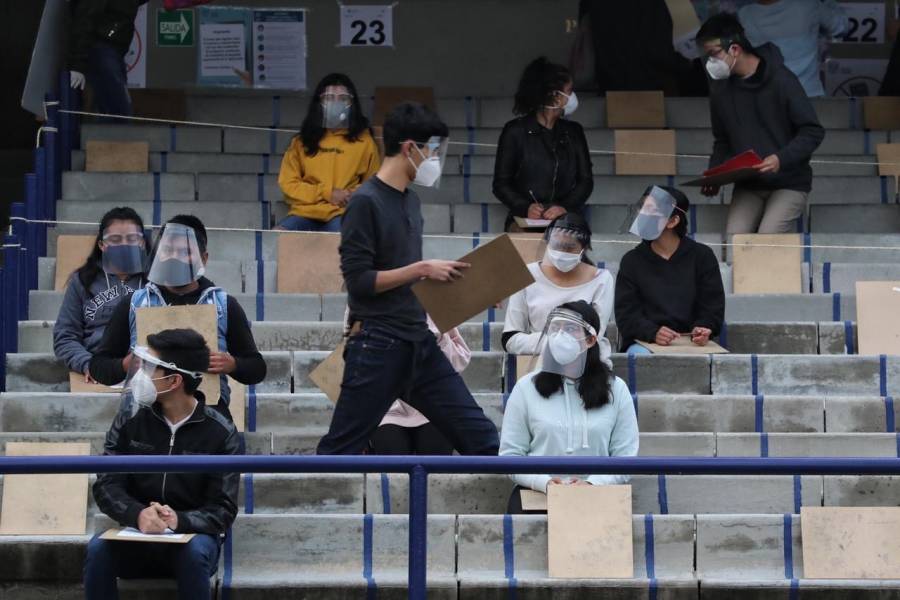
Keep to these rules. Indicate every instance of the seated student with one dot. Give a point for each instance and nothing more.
(573, 406)
(166, 415)
(330, 157)
(564, 275)
(404, 430)
(543, 166)
(114, 269)
(669, 285)
(176, 279)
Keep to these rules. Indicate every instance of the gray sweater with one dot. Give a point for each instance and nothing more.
(83, 317)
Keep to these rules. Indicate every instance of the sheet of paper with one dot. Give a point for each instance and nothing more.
(878, 317)
(525, 364)
(589, 531)
(309, 263)
(129, 534)
(768, 263)
(71, 252)
(497, 272)
(634, 147)
(532, 500)
(635, 110)
(684, 345)
(850, 542)
(223, 49)
(279, 44)
(329, 374)
(532, 223)
(238, 403)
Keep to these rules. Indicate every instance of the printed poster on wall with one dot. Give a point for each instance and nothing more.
(223, 46)
(136, 58)
(279, 49)
(854, 76)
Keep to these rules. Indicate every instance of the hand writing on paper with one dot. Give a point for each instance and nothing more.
(710, 190)
(149, 521)
(87, 377)
(665, 336)
(700, 335)
(168, 516)
(221, 362)
(340, 198)
(535, 211)
(554, 212)
(770, 164)
(442, 270)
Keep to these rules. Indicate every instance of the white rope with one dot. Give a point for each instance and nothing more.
(451, 142)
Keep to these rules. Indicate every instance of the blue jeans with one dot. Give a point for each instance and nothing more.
(378, 369)
(295, 223)
(637, 349)
(191, 565)
(108, 77)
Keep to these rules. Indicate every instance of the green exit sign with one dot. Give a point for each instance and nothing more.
(175, 27)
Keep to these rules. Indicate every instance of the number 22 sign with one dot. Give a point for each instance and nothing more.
(365, 25)
(865, 23)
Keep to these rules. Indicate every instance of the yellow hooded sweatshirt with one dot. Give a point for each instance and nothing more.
(307, 181)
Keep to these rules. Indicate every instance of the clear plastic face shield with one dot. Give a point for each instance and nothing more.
(564, 344)
(337, 103)
(648, 218)
(143, 373)
(124, 253)
(177, 260)
(428, 161)
(563, 248)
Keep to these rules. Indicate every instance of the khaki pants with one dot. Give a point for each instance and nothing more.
(765, 211)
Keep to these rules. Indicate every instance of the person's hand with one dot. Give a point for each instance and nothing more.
(554, 212)
(87, 376)
(168, 516)
(770, 164)
(577, 481)
(710, 190)
(442, 270)
(535, 211)
(126, 362)
(340, 197)
(700, 335)
(149, 521)
(665, 336)
(221, 362)
(76, 80)
(555, 481)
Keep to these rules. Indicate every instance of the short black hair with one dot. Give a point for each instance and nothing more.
(411, 121)
(725, 27)
(195, 224)
(538, 85)
(186, 349)
(683, 206)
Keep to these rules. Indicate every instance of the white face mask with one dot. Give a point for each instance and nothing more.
(718, 68)
(142, 389)
(564, 261)
(429, 170)
(564, 347)
(571, 104)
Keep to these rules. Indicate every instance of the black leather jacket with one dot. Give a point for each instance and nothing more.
(554, 166)
(204, 502)
(106, 21)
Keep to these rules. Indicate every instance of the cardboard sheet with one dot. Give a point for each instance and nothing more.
(850, 542)
(529, 246)
(878, 317)
(739, 168)
(532, 500)
(881, 112)
(635, 110)
(129, 534)
(532, 223)
(45, 504)
(497, 272)
(117, 157)
(684, 345)
(238, 404)
(386, 98)
(199, 317)
(655, 141)
(330, 373)
(523, 364)
(889, 160)
(78, 386)
(71, 252)
(760, 267)
(309, 263)
(589, 531)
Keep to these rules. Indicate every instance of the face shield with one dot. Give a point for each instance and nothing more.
(564, 343)
(648, 218)
(563, 247)
(140, 389)
(336, 110)
(433, 154)
(123, 253)
(177, 260)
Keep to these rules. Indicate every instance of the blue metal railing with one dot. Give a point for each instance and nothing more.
(419, 467)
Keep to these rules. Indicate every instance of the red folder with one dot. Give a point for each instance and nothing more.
(743, 166)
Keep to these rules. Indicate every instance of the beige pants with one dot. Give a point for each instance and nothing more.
(765, 211)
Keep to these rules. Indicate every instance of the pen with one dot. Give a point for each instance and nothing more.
(533, 199)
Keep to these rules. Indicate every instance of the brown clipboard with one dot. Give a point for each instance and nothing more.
(850, 542)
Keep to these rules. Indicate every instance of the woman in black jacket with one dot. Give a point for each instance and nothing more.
(543, 166)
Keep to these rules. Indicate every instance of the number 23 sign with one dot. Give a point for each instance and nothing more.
(365, 25)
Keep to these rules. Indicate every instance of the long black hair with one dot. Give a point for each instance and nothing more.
(88, 272)
(312, 131)
(594, 386)
(538, 86)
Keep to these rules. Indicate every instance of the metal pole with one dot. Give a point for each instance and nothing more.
(11, 290)
(40, 171)
(418, 532)
(54, 176)
(65, 122)
(32, 229)
(18, 228)
(3, 310)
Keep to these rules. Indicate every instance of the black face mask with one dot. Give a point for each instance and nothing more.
(123, 259)
(174, 273)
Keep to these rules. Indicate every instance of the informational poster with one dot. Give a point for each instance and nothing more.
(854, 76)
(866, 23)
(136, 59)
(223, 46)
(279, 49)
(365, 25)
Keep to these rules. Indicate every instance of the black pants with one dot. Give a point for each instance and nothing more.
(514, 506)
(378, 369)
(425, 440)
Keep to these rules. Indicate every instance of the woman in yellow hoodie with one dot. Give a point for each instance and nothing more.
(330, 157)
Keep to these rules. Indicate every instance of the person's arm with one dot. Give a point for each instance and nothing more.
(111, 489)
(106, 364)
(85, 14)
(517, 337)
(68, 331)
(721, 144)
(832, 18)
(625, 438)
(250, 368)
(291, 182)
(506, 166)
(584, 176)
(808, 132)
(709, 307)
(630, 318)
(219, 507)
(515, 435)
(455, 349)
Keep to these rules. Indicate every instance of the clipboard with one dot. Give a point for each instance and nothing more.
(124, 534)
(741, 167)
(684, 345)
(532, 223)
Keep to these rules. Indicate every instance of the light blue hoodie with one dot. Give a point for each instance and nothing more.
(560, 426)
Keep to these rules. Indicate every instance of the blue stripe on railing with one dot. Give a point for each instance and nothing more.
(164, 162)
(789, 555)
(512, 374)
(882, 375)
(248, 493)
(807, 248)
(662, 494)
(509, 555)
(867, 142)
(251, 408)
(227, 561)
(173, 138)
(763, 445)
(884, 189)
(632, 374)
(760, 422)
(273, 142)
(798, 494)
(276, 111)
(754, 374)
(476, 239)
(836, 306)
(260, 278)
(889, 420)
(485, 225)
(826, 277)
(385, 494)
(898, 445)
(693, 220)
(723, 335)
(157, 200)
(853, 107)
(371, 588)
(265, 163)
(848, 336)
(650, 555)
(486, 336)
(467, 175)
(492, 315)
